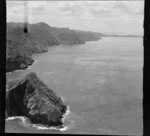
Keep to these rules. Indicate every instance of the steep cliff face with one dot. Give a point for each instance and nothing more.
(21, 45)
(16, 55)
(18, 62)
(30, 97)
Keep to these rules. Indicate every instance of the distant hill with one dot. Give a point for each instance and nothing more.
(120, 35)
(24, 39)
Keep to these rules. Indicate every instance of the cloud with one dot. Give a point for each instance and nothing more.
(130, 8)
(81, 8)
(117, 8)
(38, 10)
(71, 9)
(123, 8)
(100, 12)
(87, 15)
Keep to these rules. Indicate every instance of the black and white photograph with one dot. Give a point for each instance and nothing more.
(74, 67)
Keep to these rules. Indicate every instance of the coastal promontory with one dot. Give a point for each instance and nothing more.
(31, 98)
(24, 39)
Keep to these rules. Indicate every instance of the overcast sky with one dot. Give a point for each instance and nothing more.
(124, 17)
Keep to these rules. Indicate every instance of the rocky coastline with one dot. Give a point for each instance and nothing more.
(31, 98)
(36, 39)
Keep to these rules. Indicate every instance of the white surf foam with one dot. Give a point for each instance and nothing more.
(29, 67)
(48, 73)
(15, 71)
(40, 127)
(63, 99)
(16, 117)
(26, 122)
(8, 73)
(35, 61)
(63, 128)
(68, 112)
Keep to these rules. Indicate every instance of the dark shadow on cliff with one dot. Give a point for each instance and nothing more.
(30, 97)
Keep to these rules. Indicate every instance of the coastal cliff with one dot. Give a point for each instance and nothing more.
(31, 98)
(24, 39)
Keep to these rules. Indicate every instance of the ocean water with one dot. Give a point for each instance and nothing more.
(100, 81)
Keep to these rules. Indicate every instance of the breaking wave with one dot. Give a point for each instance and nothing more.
(25, 122)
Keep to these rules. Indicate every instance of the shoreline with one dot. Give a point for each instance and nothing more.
(25, 122)
(34, 61)
(27, 68)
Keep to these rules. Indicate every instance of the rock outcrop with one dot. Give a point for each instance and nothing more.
(31, 98)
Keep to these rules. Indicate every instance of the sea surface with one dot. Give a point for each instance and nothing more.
(101, 82)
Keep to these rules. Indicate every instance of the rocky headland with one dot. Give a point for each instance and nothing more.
(31, 98)
(24, 39)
